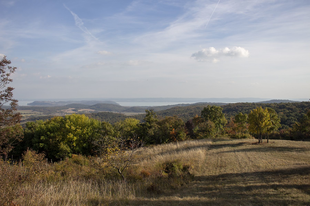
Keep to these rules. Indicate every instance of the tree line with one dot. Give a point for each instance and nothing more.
(61, 137)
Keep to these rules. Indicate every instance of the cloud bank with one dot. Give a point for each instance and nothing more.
(214, 54)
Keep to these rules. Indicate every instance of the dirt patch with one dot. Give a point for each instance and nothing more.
(69, 111)
(86, 110)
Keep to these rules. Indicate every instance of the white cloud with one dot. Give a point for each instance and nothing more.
(133, 63)
(215, 60)
(235, 52)
(2, 55)
(213, 54)
(104, 52)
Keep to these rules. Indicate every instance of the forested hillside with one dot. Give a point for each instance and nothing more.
(289, 113)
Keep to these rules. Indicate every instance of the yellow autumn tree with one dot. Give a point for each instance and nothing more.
(259, 122)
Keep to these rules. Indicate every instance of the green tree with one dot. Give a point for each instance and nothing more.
(205, 129)
(107, 129)
(274, 122)
(215, 115)
(61, 137)
(301, 128)
(127, 129)
(106, 139)
(170, 129)
(149, 127)
(117, 146)
(81, 132)
(241, 121)
(10, 130)
(259, 120)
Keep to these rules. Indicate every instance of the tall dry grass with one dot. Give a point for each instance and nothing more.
(230, 172)
(191, 152)
(74, 192)
(79, 181)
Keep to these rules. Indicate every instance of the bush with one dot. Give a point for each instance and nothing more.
(241, 136)
(60, 137)
(171, 175)
(77, 168)
(12, 176)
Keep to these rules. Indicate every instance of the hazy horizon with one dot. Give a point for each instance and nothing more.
(157, 49)
(158, 101)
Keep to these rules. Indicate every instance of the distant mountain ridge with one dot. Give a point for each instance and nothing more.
(64, 103)
(168, 101)
(278, 101)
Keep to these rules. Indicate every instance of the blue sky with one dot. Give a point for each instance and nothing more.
(164, 48)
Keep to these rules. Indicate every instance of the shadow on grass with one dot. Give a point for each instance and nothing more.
(268, 178)
(267, 187)
(265, 148)
(255, 147)
(229, 144)
(253, 202)
(276, 187)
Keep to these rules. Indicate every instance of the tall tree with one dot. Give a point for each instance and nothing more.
(274, 122)
(170, 129)
(127, 129)
(206, 129)
(149, 127)
(61, 137)
(302, 127)
(241, 121)
(259, 120)
(215, 115)
(10, 130)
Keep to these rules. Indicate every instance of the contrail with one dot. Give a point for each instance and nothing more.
(213, 12)
(79, 23)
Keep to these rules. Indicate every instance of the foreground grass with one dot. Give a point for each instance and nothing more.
(228, 172)
(78, 181)
(245, 173)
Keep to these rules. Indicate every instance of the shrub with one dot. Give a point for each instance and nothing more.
(241, 136)
(32, 159)
(172, 175)
(60, 137)
(11, 178)
(144, 173)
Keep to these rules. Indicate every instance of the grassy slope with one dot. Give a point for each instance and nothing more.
(241, 172)
(227, 172)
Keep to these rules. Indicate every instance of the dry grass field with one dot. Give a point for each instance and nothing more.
(227, 172)
(244, 173)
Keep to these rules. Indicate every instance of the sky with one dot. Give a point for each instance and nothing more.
(157, 49)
